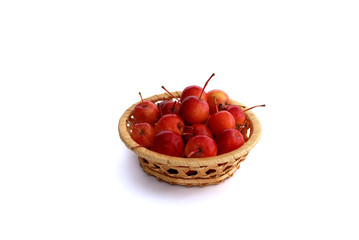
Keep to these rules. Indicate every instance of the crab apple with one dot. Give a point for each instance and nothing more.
(194, 110)
(168, 143)
(143, 134)
(238, 114)
(193, 91)
(229, 140)
(196, 91)
(170, 122)
(200, 146)
(221, 98)
(171, 107)
(161, 104)
(220, 121)
(146, 111)
(194, 130)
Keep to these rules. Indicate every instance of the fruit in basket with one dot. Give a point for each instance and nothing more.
(146, 111)
(193, 91)
(196, 91)
(229, 140)
(170, 122)
(194, 110)
(195, 163)
(220, 120)
(171, 107)
(194, 130)
(238, 113)
(205, 121)
(168, 143)
(200, 146)
(221, 98)
(160, 104)
(142, 133)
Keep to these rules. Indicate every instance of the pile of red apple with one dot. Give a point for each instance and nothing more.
(197, 125)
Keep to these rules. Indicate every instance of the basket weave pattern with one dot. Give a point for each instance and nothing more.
(190, 171)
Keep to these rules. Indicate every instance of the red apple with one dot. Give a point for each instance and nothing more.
(193, 91)
(171, 107)
(200, 146)
(168, 143)
(170, 122)
(221, 98)
(196, 91)
(146, 111)
(194, 130)
(161, 104)
(220, 121)
(238, 114)
(194, 110)
(229, 140)
(143, 134)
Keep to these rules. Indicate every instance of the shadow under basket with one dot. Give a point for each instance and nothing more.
(190, 171)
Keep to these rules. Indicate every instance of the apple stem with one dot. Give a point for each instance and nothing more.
(133, 126)
(263, 105)
(205, 85)
(141, 96)
(189, 127)
(193, 152)
(173, 107)
(170, 94)
(215, 103)
(241, 127)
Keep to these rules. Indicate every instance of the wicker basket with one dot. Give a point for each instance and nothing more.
(190, 171)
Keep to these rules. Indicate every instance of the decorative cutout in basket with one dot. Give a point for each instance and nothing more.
(190, 171)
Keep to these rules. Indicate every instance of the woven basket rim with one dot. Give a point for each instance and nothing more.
(190, 162)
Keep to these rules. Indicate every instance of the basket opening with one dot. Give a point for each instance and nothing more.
(221, 164)
(172, 171)
(248, 133)
(210, 171)
(191, 173)
(228, 167)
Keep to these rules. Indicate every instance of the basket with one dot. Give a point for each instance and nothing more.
(190, 171)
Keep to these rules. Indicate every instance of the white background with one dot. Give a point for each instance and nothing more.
(69, 69)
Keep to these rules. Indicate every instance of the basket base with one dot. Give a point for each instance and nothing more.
(201, 176)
